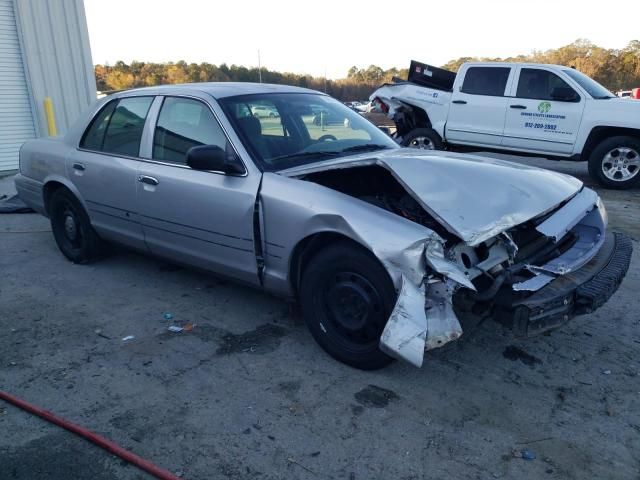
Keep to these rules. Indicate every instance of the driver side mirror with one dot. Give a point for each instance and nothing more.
(564, 94)
(212, 158)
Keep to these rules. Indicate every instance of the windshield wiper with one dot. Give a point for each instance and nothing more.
(367, 147)
(304, 155)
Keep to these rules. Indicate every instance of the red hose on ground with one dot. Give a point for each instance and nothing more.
(100, 441)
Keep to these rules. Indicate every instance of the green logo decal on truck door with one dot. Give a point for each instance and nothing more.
(544, 107)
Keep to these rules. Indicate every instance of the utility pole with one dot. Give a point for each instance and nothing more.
(325, 79)
(259, 67)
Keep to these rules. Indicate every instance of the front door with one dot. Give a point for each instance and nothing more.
(478, 106)
(544, 114)
(196, 217)
(105, 167)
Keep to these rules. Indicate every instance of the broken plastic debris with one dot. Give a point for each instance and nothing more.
(168, 315)
(128, 337)
(188, 327)
(527, 454)
(606, 372)
(175, 328)
(98, 332)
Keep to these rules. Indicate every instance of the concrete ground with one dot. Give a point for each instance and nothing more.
(248, 395)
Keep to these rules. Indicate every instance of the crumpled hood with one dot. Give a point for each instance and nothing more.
(473, 197)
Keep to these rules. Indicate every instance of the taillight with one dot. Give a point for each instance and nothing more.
(380, 105)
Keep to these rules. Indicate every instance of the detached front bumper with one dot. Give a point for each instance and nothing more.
(576, 293)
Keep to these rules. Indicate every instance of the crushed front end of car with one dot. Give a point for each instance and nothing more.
(525, 246)
(532, 277)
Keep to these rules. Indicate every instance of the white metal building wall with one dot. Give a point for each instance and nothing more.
(57, 57)
(16, 116)
(44, 52)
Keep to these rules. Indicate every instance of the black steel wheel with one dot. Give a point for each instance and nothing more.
(347, 297)
(72, 228)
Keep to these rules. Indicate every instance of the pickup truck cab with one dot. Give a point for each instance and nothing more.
(546, 110)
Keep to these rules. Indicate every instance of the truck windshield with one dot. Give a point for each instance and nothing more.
(284, 130)
(592, 87)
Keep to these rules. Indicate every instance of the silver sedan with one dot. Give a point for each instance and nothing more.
(382, 246)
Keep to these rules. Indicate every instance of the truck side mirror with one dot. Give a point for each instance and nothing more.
(564, 94)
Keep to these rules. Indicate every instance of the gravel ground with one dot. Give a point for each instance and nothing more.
(248, 395)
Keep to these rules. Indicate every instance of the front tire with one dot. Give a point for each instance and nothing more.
(615, 162)
(347, 297)
(72, 229)
(423, 139)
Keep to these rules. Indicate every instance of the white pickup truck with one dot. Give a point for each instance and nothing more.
(546, 110)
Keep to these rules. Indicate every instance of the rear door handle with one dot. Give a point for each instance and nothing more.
(79, 166)
(459, 102)
(148, 180)
(519, 107)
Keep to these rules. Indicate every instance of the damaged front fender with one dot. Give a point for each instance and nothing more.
(413, 255)
(423, 317)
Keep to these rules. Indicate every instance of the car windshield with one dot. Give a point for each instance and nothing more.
(592, 87)
(284, 130)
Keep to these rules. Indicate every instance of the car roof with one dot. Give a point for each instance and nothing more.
(220, 89)
(515, 64)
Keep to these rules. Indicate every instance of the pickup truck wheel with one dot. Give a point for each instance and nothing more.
(72, 229)
(423, 139)
(615, 162)
(347, 297)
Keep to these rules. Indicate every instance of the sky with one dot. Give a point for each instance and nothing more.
(329, 37)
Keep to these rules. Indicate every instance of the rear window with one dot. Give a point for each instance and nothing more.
(491, 81)
(118, 127)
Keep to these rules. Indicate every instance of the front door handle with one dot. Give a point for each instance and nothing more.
(519, 107)
(148, 180)
(459, 102)
(79, 166)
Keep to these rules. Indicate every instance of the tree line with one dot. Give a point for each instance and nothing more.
(615, 69)
(358, 85)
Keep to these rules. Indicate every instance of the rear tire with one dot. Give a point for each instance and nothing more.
(423, 139)
(347, 297)
(615, 162)
(72, 229)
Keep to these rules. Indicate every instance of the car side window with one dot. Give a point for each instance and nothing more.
(93, 138)
(118, 127)
(184, 123)
(540, 84)
(124, 131)
(490, 81)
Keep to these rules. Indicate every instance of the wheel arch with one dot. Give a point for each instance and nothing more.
(307, 247)
(53, 184)
(410, 117)
(600, 133)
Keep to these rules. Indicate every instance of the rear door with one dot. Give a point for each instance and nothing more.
(195, 217)
(105, 165)
(544, 112)
(478, 106)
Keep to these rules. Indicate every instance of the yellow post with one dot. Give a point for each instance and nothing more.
(51, 119)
